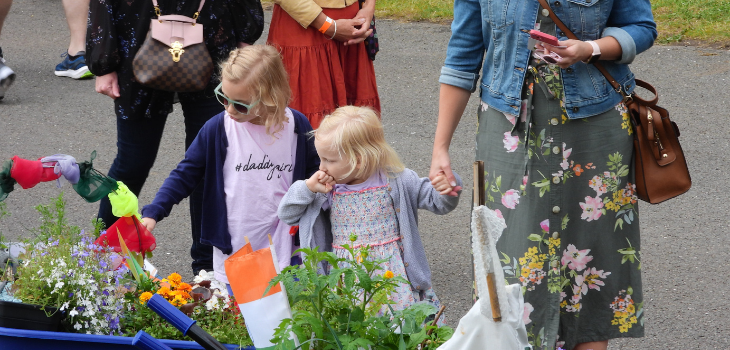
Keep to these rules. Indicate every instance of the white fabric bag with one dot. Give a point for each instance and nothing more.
(477, 330)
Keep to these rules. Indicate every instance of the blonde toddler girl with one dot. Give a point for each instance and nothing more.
(363, 188)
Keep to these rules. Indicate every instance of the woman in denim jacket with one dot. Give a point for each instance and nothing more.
(557, 145)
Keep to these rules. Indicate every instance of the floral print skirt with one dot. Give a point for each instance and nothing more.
(566, 190)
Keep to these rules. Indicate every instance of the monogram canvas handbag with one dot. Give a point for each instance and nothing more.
(173, 57)
(660, 167)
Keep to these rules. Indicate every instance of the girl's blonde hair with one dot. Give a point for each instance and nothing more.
(261, 69)
(357, 135)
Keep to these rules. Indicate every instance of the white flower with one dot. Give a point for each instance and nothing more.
(59, 285)
(212, 303)
(78, 326)
(73, 313)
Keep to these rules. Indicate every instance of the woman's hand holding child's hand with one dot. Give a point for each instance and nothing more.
(320, 182)
(149, 223)
(441, 184)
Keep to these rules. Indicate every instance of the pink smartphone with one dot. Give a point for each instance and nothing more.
(545, 38)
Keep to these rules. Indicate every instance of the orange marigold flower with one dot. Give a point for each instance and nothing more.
(183, 294)
(184, 286)
(388, 274)
(144, 297)
(164, 291)
(174, 279)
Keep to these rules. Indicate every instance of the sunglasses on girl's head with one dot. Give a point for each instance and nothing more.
(241, 108)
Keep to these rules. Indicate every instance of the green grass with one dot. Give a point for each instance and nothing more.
(416, 10)
(704, 20)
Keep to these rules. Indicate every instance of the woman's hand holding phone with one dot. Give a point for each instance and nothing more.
(571, 51)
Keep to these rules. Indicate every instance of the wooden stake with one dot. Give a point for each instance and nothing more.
(479, 192)
(438, 315)
(480, 199)
(246, 238)
(270, 241)
(493, 299)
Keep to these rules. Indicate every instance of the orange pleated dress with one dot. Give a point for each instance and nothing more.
(324, 74)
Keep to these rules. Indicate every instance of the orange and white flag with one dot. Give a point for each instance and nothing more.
(249, 273)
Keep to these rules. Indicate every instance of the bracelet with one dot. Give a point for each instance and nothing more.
(335, 33)
(326, 25)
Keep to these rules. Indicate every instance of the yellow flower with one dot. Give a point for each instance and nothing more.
(388, 275)
(178, 301)
(144, 297)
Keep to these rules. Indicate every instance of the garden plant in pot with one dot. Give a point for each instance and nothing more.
(348, 308)
(103, 293)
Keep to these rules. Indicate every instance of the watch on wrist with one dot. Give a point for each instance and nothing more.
(596, 55)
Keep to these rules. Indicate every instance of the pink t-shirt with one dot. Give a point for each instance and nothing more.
(257, 173)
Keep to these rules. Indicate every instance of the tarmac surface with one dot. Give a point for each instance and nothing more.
(685, 250)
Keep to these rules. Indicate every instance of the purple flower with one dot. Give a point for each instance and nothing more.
(55, 243)
(81, 263)
(103, 264)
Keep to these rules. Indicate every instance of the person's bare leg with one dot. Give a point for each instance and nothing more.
(4, 9)
(594, 345)
(77, 12)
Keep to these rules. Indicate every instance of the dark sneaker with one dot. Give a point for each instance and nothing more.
(7, 76)
(76, 68)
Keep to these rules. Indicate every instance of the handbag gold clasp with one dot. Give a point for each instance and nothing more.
(176, 51)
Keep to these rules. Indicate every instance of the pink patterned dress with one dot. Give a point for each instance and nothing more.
(368, 212)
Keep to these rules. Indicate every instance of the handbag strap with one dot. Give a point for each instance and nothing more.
(195, 16)
(611, 80)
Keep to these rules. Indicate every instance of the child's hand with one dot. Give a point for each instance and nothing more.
(149, 223)
(320, 182)
(441, 184)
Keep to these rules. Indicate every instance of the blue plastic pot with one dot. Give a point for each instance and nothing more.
(11, 338)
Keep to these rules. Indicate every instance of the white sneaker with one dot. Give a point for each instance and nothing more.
(7, 77)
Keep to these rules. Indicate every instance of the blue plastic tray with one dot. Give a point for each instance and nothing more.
(11, 338)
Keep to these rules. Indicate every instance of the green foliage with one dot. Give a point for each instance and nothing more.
(3, 213)
(53, 221)
(224, 324)
(348, 308)
(62, 268)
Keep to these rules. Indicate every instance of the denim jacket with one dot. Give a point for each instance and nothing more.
(499, 29)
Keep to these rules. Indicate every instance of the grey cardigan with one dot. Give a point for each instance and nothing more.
(302, 207)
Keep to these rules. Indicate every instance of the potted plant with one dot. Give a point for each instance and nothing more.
(348, 308)
(65, 275)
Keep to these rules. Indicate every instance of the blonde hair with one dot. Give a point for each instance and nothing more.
(261, 69)
(357, 135)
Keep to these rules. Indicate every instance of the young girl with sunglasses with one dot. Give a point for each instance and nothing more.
(246, 158)
(362, 188)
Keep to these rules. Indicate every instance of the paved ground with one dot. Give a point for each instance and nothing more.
(685, 241)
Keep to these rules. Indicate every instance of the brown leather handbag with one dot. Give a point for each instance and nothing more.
(659, 164)
(173, 57)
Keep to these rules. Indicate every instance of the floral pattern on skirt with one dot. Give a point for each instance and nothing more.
(566, 190)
